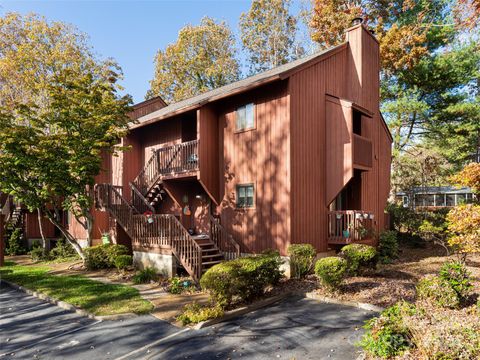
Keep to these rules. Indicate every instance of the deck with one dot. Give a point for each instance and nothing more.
(350, 226)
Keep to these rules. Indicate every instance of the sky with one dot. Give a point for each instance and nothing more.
(132, 32)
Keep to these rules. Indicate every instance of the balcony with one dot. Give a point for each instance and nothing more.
(349, 226)
(362, 152)
(168, 162)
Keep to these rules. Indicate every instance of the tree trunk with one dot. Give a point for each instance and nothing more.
(68, 236)
(40, 226)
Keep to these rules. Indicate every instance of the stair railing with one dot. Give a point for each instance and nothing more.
(223, 240)
(139, 202)
(162, 230)
(148, 176)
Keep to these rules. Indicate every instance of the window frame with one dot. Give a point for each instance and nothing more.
(254, 112)
(237, 196)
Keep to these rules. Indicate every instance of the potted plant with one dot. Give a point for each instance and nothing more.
(105, 237)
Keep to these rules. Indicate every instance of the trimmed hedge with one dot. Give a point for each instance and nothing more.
(358, 256)
(302, 257)
(103, 256)
(331, 270)
(242, 279)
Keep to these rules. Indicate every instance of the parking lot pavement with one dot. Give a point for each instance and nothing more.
(293, 329)
(31, 328)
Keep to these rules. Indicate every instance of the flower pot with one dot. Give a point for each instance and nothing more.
(346, 233)
(106, 239)
(150, 220)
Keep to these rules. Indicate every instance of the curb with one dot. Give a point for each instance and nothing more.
(67, 306)
(242, 311)
(363, 306)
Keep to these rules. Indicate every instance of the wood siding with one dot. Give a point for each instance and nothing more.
(339, 147)
(352, 75)
(208, 151)
(32, 228)
(260, 157)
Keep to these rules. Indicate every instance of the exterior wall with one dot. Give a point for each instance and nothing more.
(162, 263)
(350, 74)
(32, 228)
(261, 157)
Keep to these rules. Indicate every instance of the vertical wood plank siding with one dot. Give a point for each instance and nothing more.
(207, 126)
(32, 229)
(259, 157)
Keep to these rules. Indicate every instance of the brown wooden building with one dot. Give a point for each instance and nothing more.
(296, 154)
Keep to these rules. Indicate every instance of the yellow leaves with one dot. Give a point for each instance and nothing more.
(402, 47)
(330, 20)
(469, 176)
(464, 227)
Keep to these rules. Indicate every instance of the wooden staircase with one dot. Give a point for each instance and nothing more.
(195, 253)
(14, 221)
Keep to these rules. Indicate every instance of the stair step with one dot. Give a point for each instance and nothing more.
(213, 262)
(212, 256)
(210, 250)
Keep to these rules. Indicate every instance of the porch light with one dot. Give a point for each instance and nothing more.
(371, 216)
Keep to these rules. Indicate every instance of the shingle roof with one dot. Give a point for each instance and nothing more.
(249, 82)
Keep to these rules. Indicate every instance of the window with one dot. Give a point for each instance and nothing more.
(357, 122)
(246, 117)
(245, 196)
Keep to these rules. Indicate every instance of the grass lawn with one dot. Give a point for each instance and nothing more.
(93, 296)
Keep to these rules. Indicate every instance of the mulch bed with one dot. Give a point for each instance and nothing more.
(396, 281)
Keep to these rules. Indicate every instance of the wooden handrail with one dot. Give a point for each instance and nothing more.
(349, 225)
(139, 202)
(153, 230)
(223, 240)
(168, 160)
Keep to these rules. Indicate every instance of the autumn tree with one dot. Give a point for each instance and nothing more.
(57, 120)
(202, 59)
(268, 33)
(464, 220)
(429, 69)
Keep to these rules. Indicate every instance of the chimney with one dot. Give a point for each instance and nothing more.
(357, 21)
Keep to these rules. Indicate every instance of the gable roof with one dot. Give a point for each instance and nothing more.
(277, 73)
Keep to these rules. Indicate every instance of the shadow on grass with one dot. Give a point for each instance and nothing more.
(91, 295)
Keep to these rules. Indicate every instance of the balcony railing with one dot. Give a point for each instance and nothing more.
(170, 160)
(362, 151)
(347, 226)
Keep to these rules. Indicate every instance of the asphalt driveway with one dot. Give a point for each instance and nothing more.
(293, 329)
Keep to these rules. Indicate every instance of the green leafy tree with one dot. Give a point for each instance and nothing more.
(202, 59)
(268, 33)
(53, 131)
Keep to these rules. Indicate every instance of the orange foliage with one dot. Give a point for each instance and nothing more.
(464, 228)
(469, 176)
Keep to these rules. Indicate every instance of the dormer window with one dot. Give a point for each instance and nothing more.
(245, 117)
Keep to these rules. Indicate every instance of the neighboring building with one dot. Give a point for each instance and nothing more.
(296, 154)
(435, 197)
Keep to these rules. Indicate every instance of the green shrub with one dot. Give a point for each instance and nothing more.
(331, 271)
(388, 335)
(14, 245)
(438, 291)
(38, 253)
(242, 279)
(358, 256)
(302, 257)
(178, 285)
(458, 277)
(194, 313)
(103, 256)
(145, 276)
(387, 246)
(62, 250)
(123, 261)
